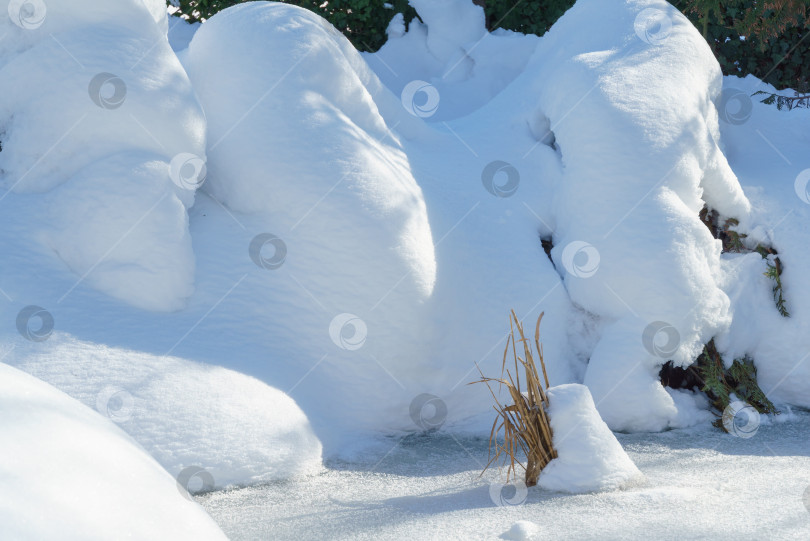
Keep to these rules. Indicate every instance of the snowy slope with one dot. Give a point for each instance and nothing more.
(68, 473)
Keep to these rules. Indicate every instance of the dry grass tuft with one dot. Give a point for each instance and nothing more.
(524, 425)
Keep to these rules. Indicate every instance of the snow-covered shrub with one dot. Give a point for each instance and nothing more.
(95, 108)
(297, 140)
(638, 170)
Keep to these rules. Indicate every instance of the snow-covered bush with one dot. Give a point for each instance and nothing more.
(638, 170)
(95, 101)
(298, 141)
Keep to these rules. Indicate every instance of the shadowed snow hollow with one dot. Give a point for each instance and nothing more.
(450, 54)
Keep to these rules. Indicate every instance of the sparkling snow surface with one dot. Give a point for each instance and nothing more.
(701, 484)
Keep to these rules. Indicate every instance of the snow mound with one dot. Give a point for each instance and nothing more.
(95, 102)
(590, 458)
(68, 473)
(522, 530)
(184, 414)
(632, 114)
(447, 65)
(298, 140)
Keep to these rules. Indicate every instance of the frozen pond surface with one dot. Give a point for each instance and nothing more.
(701, 483)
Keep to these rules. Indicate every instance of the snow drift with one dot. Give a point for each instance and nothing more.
(612, 127)
(185, 414)
(68, 473)
(360, 248)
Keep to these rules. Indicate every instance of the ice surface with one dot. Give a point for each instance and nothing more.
(69, 473)
(701, 483)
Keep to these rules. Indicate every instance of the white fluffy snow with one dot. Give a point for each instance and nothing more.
(366, 223)
(68, 473)
(767, 149)
(451, 52)
(589, 457)
(638, 133)
(95, 102)
(522, 530)
(296, 138)
(185, 414)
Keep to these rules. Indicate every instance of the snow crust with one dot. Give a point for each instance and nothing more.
(430, 487)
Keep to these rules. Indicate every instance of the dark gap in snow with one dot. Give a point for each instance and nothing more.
(721, 383)
(547, 243)
(677, 377)
(735, 242)
(711, 219)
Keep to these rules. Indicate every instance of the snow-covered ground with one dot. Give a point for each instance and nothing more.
(253, 249)
(701, 484)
